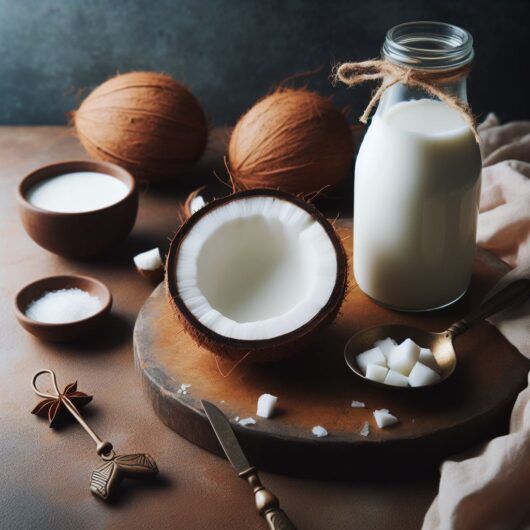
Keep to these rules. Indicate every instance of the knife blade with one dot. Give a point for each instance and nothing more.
(227, 438)
(267, 504)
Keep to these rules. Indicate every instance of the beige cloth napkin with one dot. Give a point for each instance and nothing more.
(489, 488)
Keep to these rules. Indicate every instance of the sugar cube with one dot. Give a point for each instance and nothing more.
(427, 358)
(383, 418)
(319, 431)
(266, 404)
(376, 372)
(394, 378)
(373, 356)
(404, 357)
(385, 345)
(422, 375)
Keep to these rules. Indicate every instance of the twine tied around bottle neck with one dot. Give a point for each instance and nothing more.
(391, 74)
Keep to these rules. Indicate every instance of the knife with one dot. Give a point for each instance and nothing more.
(266, 503)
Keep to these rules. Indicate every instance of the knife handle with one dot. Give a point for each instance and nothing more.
(267, 503)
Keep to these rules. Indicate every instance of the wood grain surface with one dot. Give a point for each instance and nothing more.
(316, 388)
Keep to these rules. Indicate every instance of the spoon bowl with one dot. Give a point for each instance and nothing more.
(514, 287)
(441, 345)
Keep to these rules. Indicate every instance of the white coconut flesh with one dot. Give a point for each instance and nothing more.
(256, 268)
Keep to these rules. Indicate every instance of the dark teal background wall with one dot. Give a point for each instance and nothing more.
(231, 52)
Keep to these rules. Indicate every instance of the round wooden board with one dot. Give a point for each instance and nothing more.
(316, 388)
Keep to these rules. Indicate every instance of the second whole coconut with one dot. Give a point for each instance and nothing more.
(146, 122)
(292, 140)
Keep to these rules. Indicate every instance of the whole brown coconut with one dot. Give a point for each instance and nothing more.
(145, 122)
(293, 140)
(257, 350)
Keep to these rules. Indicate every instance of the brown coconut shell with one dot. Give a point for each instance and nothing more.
(145, 122)
(184, 211)
(261, 351)
(292, 140)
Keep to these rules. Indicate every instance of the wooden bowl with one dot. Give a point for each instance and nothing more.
(78, 234)
(67, 331)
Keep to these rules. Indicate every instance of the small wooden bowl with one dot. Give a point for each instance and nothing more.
(78, 234)
(67, 331)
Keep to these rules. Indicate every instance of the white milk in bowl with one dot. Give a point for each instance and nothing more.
(82, 191)
(417, 185)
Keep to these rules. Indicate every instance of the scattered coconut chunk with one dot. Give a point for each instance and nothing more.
(394, 378)
(376, 372)
(266, 405)
(386, 346)
(403, 357)
(247, 421)
(149, 265)
(383, 418)
(236, 418)
(373, 356)
(183, 389)
(428, 359)
(422, 375)
(365, 431)
(319, 431)
(358, 404)
(196, 204)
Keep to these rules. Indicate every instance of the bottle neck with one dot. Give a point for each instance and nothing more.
(430, 47)
(399, 92)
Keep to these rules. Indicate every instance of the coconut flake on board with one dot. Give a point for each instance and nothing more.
(266, 405)
(183, 389)
(319, 431)
(247, 421)
(358, 404)
(383, 418)
(365, 431)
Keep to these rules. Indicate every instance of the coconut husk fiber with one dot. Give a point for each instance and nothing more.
(293, 140)
(146, 122)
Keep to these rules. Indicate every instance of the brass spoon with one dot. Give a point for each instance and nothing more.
(512, 288)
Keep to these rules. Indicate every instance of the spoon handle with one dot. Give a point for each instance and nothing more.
(512, 288)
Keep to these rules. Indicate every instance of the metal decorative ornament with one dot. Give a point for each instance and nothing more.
(107, 477)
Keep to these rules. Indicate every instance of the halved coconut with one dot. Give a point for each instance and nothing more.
(259, 271)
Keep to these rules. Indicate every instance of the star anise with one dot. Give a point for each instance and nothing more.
(54, 408)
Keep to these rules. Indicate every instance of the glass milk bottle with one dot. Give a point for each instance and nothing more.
(417, 179)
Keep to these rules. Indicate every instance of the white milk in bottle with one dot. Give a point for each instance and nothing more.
(417, 186)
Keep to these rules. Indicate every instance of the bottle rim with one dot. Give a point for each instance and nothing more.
(428, 45)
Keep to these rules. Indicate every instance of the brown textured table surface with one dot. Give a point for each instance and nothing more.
(45, 473)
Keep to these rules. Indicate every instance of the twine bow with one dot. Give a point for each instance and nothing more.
(390, 74)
